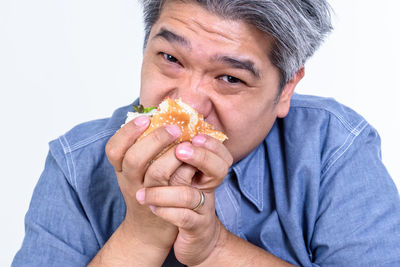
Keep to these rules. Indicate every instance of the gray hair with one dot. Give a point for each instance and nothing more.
(298, 27)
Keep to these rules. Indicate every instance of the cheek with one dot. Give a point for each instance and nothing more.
(237, 127)
(246, 131)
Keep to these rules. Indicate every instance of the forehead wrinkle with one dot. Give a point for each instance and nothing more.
(214, 31)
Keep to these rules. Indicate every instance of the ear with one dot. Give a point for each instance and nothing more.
(287, 92)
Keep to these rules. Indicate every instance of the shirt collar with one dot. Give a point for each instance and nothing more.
(251, 172)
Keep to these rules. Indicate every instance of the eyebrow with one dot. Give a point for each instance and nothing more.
(231, 61)
(238, 64)
(173, 38)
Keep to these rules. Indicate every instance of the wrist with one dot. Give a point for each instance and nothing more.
(218, 251)
(137, 239)
(123, 249)
(231, 250)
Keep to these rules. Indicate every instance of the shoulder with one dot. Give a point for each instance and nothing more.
(325, 108)
(325, 127)
(355, 198)
(322, 155)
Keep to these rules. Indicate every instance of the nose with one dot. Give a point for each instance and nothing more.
(195, 91)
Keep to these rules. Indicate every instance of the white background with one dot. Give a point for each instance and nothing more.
(66, 62)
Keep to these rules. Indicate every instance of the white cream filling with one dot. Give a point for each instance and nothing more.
(133, 115)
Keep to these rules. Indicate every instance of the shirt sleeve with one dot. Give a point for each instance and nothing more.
(358, 222)
(57, 231)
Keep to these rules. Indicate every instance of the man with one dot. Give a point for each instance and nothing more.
(299, 182)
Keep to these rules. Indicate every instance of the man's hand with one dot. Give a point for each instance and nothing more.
(131, 160)
(199, 231)
(142, 239)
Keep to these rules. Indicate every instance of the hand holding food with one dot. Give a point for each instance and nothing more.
(131, 159)
(191, 209)
(194, 142)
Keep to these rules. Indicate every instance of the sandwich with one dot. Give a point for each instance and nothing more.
(179, 113)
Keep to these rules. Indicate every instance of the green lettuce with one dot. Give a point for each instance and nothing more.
(141, 109)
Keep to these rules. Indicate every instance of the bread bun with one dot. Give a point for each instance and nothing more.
(179, 113)
(183, 115)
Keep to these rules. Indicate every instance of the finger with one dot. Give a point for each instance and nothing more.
(185, 218)
(180, 217)
(204, 160)
(183, 175)
(123, 139)
(214, 146)
(138, 156)
(161, 169)
(171, 196)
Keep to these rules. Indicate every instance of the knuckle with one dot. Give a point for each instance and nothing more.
(111, 152)
(187, 196)
(202, 156)
(224, 171)
(158, 173)
(114, 155)
(158, 136)
(177, 178)
(230, 159)
(131, 161)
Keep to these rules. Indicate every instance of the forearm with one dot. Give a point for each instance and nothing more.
(234, 251)
(122, 249)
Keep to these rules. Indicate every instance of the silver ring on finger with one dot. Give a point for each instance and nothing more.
(201, 202)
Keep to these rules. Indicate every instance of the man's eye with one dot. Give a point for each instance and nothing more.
(231, 79)
(170, 58)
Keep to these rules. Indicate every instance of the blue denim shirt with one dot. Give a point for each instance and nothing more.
(314, 193)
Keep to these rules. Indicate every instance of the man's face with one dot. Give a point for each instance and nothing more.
(220, 67)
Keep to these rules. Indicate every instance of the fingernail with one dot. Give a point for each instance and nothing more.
(140, 195)
(153, 209)
(142, 121)
(184, 150)
(199, 140)
(173, 130)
